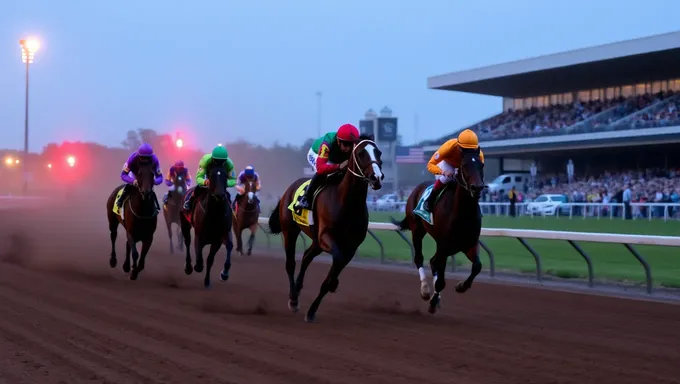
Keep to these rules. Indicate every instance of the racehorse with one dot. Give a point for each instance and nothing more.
(172, 211)
(140, 220)
(247, 214)
(211, 218)
(457, 223)
(340, 221)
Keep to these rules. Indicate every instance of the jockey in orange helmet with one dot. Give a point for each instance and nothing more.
(445, 162)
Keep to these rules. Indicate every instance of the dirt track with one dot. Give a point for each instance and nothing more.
(66, 317)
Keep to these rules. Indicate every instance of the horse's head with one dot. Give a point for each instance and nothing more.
(145, 178)
(179, 183)
(250, 189)
(471, 172)
(218, 180)
(366, 163)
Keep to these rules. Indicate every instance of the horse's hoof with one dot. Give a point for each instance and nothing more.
(188, 270)
(435, 303)
(461, 288)
(224, 276)
(126, 268)
(310, 317)
(293, 305)
(250, 252)
(113, 262)
(425, 292)
(198, 268)
(134, 275)
(207, 284)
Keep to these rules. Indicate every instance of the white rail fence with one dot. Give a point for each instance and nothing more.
(627, 241)
(612, 211)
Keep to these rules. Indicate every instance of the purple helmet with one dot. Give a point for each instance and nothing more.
(145, 150)
(179, 164)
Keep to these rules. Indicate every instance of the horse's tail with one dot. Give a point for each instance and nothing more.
(402, 225)
(275, 220)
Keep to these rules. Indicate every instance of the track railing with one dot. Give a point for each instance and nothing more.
(627, 241)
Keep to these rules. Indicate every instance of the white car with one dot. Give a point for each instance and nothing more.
(546, 205)
(387, 202)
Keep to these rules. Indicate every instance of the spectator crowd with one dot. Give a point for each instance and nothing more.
(563, 118)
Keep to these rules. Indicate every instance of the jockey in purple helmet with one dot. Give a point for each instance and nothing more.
(131, 167)
(246, 175)
(177, 171)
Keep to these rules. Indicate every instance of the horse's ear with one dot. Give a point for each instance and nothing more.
(367, 137)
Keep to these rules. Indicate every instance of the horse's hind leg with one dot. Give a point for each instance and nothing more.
(198, 250)
(290, 237)
(417, 236)
(438, 265)
(113, 234)
(135, 254)
(229, 245)
(146, 245)
(180, 240)
(472, 255)
(239, 239)
(209, 263)
(313, 251)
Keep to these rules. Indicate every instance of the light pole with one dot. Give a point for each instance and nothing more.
(28, 49)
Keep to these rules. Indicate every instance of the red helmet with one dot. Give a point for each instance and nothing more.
(348, 132)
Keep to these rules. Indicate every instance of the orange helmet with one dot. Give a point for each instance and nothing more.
(468, 139)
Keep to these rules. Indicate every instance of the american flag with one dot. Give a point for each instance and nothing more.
(410, 155)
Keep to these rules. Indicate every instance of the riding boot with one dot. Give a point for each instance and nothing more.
(306, 201)
(123, 196)
(428, 205)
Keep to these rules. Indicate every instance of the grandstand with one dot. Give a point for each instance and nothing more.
(613, 109)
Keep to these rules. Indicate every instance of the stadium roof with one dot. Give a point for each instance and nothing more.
(628, 62)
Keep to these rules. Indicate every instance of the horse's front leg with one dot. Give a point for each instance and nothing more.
(438, 265)
(186, 234)
(472, 255)
(251, 239)
(135, 255)
(214, 247)
(169, 226)
(129, 246)
(198, 250)
(146, 245)
(229, 246)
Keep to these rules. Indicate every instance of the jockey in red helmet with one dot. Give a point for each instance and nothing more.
(177, 171)
(328, 154)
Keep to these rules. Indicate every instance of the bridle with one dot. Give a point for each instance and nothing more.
(462, 180)
(361, 175)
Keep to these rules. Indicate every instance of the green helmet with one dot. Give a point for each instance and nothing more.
(220, 153)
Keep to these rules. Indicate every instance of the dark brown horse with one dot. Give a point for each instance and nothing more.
(140, 217)
(340, 221)
(247, 214)
(172, 211)
(457, 223)
(211, 218)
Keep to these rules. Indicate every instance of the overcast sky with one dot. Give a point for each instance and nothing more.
(250, 69)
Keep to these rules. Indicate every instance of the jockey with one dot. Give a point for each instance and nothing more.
(445, 162)
(131, 167)
(246, 175)
(177, 170)
(218, 158)
(329, 153)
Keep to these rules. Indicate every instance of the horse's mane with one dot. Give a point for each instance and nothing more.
(364, 136)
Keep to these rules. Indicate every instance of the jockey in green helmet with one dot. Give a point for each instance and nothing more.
(218, 158)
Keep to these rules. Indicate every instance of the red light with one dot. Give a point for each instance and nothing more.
(71, 161)
(179, 143)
